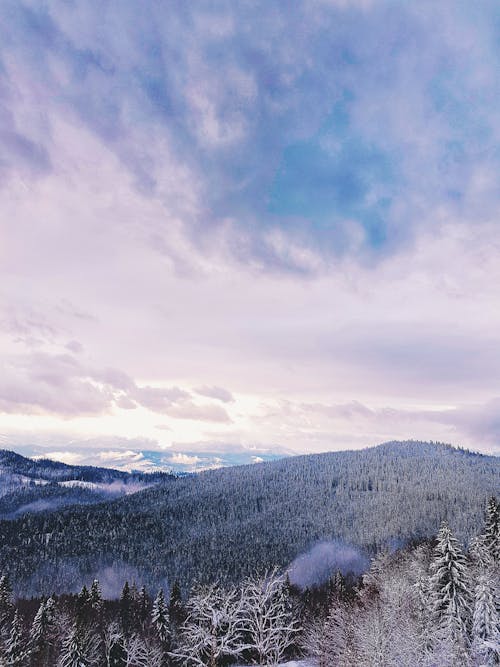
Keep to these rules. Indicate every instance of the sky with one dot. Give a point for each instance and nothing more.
(236, 230)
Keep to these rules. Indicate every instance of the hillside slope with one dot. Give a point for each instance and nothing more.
(229, 522)
(28, 485)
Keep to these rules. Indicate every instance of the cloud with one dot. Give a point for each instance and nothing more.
(301, 206)
(183, 459)
(70, 457)
(61, 384)
(266, 137)
(190, 410)
(219, 393)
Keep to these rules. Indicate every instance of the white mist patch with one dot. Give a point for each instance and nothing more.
(324, 559)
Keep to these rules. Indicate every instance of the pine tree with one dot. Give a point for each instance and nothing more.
(95, 596)
(143, 606)
(16, 652)
(159, 618)
(175, 608)
(126, 609)
(83, 605)
(42, 632)
(450, 587)
(6, 606)
(492, 529)
(486, 621)
(81, 648)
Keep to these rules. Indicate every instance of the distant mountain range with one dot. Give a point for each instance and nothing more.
(223, 524)
(28, 485)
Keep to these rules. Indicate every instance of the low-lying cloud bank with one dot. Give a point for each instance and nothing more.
(323, 560)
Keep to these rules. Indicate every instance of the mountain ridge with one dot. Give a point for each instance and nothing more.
(224, 524)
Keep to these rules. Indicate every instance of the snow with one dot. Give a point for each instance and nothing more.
(293, 663)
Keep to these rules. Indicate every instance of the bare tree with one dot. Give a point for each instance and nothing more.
(213, 627)
(271, 626)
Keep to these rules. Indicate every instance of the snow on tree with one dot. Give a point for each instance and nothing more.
(81, 648)
(6, 606)
(175, 610)
(450, 588)
(486, 621)
(271, 626)
(83, 605)
(115, 649)
(329, 639)
(212, 629)
(142, 653)
(16, 652)
(95, 596)
(126, 608)
(159, 617)
(492, 529)
(43, 630)
(143, 607)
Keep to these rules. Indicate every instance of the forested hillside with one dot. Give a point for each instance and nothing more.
(28, 485)
(425, 606)
(228, 523)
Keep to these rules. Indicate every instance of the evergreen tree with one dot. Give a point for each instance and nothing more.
(486, 621)
(81, 648)
(159, 618)
(16, 652)
(83, 605)
(338, 591)
(6, 606)
(175, 608)
(95, 596)
(143, 606)
(42, 632)
(492, 529)
(450, 587)
(126, 609)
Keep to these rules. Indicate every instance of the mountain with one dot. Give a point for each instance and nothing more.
(224, 524)
(28, 485)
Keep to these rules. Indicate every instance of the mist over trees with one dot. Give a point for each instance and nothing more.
(227, 524)
(431, 604)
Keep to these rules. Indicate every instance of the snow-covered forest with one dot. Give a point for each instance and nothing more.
(433, 604)
(224, 525)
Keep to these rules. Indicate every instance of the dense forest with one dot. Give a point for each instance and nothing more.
(230, 523)
(28, 486)
(434, 604)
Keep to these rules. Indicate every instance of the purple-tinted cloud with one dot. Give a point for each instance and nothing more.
(299, 205)
(219, 393)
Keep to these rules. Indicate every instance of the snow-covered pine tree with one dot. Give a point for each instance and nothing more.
(492, 529)
(143, 606)
(159, 618)
(42, 632)
(126, 609)
(95, 596)
(16, 652)
(6, 606)
(450, 591)
(81, 648)
(83, 605)
(175, 607)
(479, 552)
(486, 621)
